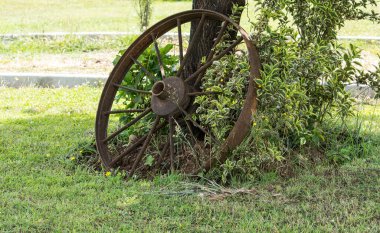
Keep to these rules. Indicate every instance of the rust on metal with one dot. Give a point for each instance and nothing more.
(171, 102)
(168, 94)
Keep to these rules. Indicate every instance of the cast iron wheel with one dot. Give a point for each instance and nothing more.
(171, 100)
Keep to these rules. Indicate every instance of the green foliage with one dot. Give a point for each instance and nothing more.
(307, 15)
(302, 88)
(227, 76)
(344, 145)
(370, 78)
(137, 79)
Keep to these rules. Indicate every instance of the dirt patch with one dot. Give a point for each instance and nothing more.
(99, 62)
(187, 160)
(79, 63)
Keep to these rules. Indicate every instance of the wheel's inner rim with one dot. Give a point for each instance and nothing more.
(158, 89)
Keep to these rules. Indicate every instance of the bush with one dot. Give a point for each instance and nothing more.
(304, 109)
(302, 88)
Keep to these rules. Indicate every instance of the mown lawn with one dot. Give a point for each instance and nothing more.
(72, 54)
(22, 16)
(41, 189)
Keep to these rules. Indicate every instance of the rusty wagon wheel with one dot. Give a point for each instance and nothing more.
(169, 100)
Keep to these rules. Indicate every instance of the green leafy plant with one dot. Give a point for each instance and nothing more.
(137, 79)
(301, 90)
(228, 76)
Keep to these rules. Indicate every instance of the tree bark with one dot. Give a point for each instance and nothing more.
(221, 6)
(210, 29)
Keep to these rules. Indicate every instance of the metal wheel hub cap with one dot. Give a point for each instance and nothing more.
(168, 96)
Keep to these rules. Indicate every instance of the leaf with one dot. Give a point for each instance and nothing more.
(302, 141)
(166, 49)
(149, 160)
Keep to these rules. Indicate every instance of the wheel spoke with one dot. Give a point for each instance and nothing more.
(171, 142)
(128, 150)
(163, 153)
(204, 93)
(208, 64)
(190, 131)
(134, 121)
(134, 146)
(218, 39)
(159, 58)
(213, 48)
(180, 41)
(145, 146)
(198, 125)
(159, 134)
(123, 111)
(145, 70)
(195, 38)
(132, 89)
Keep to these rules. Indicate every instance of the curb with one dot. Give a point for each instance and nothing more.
(50, 80)
(17, 80)
(360, 91)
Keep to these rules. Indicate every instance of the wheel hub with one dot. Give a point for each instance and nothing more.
(168, 96)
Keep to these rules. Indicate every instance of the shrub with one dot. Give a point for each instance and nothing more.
(304, 109)
(302, 87)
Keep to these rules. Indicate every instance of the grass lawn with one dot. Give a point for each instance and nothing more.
(22, 16)
(73, 54)
(42, 191)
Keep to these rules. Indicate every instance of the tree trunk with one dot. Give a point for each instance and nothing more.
(210, 29)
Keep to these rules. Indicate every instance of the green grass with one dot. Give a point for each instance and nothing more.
(95, 15)
(67, 44)
(75, 44)
(78, 54)
(21, 16)
(370, 46)
(42, 190)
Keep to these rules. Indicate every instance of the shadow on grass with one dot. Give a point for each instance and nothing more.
(41, 194)
(39, 137)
